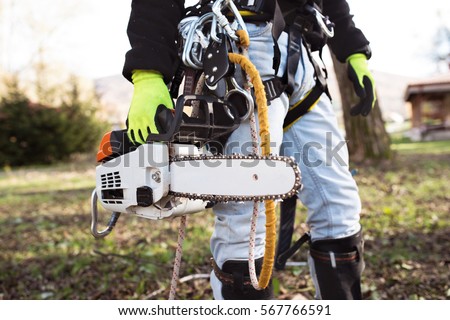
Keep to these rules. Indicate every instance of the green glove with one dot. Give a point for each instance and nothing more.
(363, 82)
(150, 94)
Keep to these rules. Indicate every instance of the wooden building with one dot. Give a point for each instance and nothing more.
(430, 108)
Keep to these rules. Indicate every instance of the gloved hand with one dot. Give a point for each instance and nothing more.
(363, 82)
(150, 94)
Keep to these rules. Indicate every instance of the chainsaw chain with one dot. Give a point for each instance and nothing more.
(219, 198)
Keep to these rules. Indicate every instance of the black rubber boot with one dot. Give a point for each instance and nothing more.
(338, 265)
(236, 284)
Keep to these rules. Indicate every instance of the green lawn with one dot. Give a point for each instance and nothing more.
(430, 147)
(49, 253)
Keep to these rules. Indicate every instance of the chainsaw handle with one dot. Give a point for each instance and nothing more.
(94, 219)
(171, 122)
(181, 127)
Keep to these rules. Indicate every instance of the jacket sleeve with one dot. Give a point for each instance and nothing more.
(152, 32)
(347, 38)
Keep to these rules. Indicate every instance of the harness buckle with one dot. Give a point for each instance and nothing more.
(274, 87)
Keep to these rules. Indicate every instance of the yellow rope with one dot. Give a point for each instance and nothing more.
(263, 119)
(243, 38)
(261, 100)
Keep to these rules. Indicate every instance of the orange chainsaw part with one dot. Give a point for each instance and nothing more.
(105, 149)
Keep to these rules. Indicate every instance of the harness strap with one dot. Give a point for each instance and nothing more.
(335, 258)
(293, 56)
(320, 78)
(274, 88)
(303, 106)
(230, 279)
(189, 81)
(278, 27)
(287, 222)
(284, 256)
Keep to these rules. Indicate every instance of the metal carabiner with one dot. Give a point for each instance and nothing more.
(248, 98)
(222, 20)
(325, 23)
(194, 35)
(94, 219)
(237, 15)
(214, 32)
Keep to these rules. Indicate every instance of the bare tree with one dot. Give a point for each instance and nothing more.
(441, 48)
(40, 35)
(367, 137)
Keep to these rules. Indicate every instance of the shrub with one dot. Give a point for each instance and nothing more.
(32, 133)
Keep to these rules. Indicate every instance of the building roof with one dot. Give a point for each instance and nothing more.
(436, 84)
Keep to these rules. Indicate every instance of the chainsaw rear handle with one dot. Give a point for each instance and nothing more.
(94, 219)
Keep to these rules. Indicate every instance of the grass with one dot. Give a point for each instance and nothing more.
(49, 253)
(406, 214)
(426, 148)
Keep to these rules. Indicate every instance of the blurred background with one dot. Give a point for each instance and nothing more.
(61, 88)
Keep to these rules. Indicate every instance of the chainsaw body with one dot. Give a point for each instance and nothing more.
(175, 174)
(138, 182)
(136, 179)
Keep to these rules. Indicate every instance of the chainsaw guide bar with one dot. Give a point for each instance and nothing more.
(238, 160)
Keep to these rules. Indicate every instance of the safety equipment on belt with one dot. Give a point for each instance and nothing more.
(150, 94)
(363, 82)
(338, 265)
(236, 283)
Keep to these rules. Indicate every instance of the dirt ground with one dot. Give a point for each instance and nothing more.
(47, 251)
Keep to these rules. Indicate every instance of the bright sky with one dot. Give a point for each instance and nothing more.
(89, 37)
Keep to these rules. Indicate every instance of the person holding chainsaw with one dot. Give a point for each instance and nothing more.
(283, 33)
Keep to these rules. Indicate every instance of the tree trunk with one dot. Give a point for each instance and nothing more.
(366, 137)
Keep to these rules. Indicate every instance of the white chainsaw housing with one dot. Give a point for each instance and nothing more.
(138, 182)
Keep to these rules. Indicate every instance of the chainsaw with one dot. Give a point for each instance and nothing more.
(177, 173)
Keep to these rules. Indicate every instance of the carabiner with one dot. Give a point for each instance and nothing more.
(219, 18)
(325, 23)
(191, 31)
(248, 98)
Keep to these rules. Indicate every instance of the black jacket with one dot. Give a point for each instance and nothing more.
(152, 31)
(347, 38)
